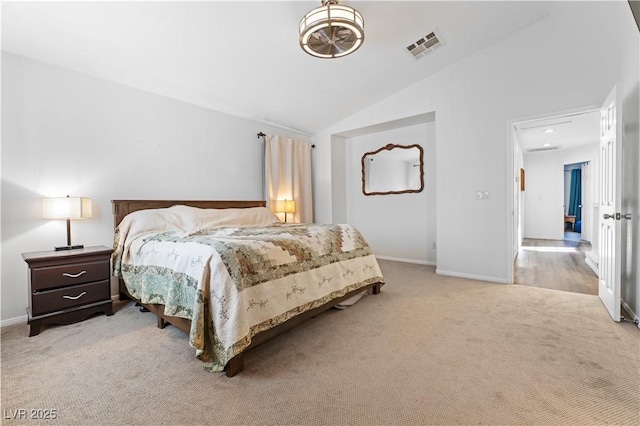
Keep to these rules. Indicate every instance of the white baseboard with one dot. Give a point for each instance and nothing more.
(398, 259)
(472, 276)
(12, 321)
(592, 261)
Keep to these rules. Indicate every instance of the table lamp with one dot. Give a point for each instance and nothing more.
(67, 208)
(285, 206)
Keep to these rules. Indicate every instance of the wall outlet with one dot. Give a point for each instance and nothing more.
(483, 194)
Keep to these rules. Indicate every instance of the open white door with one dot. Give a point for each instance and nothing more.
(610, 204)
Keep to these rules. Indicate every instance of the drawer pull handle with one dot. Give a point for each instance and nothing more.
(76, 297)
(74, 275)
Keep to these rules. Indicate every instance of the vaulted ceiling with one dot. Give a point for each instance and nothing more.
(243, 58)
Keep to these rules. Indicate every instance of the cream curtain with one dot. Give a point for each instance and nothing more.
(288, 176)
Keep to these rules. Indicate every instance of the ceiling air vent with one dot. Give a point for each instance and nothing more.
(546, 148)
(425, 45)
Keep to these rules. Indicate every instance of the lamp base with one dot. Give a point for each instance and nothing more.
(79, 246)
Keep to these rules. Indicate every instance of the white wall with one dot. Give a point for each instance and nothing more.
(518, 198)
(338, 173)
(397, 226)
(556, 64)
(544, 194)
(64, 133)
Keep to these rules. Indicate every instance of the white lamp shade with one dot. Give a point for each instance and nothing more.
(66, 208)
(285, 206)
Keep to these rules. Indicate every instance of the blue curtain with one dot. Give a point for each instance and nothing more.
(575, 196)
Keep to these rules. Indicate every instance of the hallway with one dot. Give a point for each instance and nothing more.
(555, 264)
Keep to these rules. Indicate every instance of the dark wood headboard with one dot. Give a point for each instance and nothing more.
(121, 208)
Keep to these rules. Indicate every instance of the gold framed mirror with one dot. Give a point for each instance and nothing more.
(393, 169)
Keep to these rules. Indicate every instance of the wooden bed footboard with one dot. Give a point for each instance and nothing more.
(121, 208)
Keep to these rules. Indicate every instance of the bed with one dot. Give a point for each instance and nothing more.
(230, 274)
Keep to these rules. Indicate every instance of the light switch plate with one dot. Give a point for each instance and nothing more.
(483, 194)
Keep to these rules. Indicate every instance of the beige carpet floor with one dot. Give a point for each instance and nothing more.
(428, 350)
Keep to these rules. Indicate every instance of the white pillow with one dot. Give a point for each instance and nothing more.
(142, 222)
(188, 220)
(194, 219)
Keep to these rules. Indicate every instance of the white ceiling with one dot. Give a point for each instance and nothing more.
(560, 132)
(243, 57)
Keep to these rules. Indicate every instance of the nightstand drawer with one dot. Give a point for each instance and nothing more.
(66, 286)
(69, 274)
(63, 298)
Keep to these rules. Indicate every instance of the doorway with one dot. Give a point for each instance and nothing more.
(576, 195)
(553, 225)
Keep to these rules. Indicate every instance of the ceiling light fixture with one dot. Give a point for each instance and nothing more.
(331, 30)
(549, 131)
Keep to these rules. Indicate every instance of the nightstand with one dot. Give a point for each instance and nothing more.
(68, 286)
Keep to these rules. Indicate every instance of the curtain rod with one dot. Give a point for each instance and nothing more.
(260, 134)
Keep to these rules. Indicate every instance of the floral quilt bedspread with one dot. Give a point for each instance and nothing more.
(234, 282)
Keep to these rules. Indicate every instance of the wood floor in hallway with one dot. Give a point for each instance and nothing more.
(555, 264)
